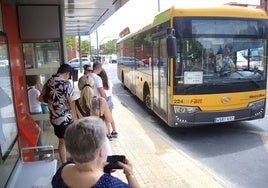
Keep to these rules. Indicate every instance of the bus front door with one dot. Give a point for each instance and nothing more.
(160, 98)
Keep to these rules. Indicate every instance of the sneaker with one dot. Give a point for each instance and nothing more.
(110, 137)
(114, 134)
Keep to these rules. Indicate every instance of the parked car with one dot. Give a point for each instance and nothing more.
(4, 63)
(75, 62)
(242, 62)
(153, 61)
(129, 61)
(113, 58)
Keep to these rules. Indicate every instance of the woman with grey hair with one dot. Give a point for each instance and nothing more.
(85, 140)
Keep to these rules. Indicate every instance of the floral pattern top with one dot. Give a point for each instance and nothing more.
(59, 90)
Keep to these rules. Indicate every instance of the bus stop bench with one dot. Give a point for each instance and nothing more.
(33, 174)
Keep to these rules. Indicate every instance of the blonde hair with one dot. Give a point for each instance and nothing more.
(85, 85)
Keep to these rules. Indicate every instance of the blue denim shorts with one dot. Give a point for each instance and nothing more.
(110, 103)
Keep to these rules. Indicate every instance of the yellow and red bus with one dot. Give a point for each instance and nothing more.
(178, 65)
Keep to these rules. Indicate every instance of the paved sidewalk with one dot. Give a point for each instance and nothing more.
(156, 162)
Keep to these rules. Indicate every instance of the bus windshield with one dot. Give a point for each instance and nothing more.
(219, 55)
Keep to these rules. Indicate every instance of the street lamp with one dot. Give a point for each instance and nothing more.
(97, 40)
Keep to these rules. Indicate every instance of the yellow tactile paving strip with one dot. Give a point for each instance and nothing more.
(156, 163)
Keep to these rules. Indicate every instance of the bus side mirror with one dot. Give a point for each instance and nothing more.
(171, 43)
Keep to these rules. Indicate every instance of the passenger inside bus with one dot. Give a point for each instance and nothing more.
(226, 63)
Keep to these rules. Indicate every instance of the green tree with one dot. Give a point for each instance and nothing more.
(70, 41)
(85, 44)
(109, 47)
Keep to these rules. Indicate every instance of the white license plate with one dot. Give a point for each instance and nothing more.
(224, 119)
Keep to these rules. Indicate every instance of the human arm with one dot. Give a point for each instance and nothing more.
(98, 84)
(102, 93)
(128, 170)
(39, 86)
(37, 95)
(42, 94)
(111, 86)
(69, 92)
(73, 110)
(231, 64)
(70, 99)
(104, 109)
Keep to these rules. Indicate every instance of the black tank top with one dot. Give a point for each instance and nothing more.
(85, 114)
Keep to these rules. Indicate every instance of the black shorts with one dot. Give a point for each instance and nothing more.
(59, 130)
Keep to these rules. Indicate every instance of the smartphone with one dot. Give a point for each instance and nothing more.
(112, 159)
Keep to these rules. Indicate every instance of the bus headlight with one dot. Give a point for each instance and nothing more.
(185, 109)
(257, 105)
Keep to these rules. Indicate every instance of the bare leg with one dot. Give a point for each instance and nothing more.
(108, 131)
(108, 128)
(114, 133)
(113, 123)
(62, 150)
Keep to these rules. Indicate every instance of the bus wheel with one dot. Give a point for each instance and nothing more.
(123, 81)
(147, 99)
(122, 77)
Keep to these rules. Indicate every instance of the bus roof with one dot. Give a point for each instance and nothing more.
(220, 11)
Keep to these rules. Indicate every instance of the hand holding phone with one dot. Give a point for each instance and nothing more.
(112, 160)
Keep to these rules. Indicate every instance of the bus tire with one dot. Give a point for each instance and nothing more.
(123, 80)
(147, 97)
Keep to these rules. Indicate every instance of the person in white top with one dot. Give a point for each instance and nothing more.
(33, 91)
(108, 88)
(98, 84)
